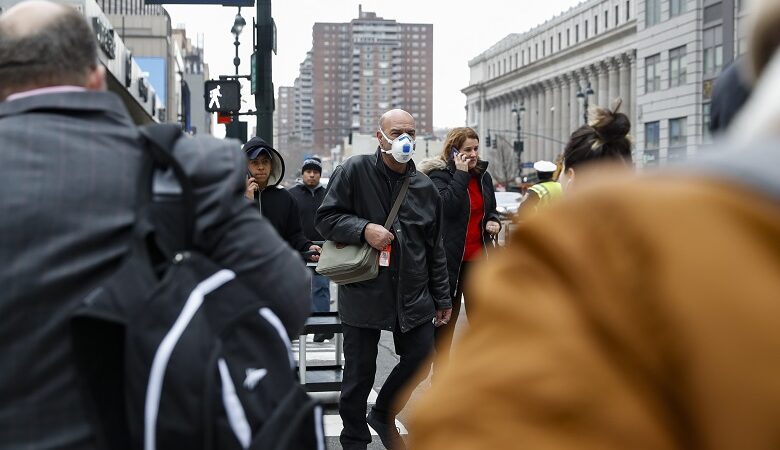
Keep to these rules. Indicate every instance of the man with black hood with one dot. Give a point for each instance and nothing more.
(265, 170)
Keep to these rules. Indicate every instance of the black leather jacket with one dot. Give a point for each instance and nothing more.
(453, 186)
(408, 292)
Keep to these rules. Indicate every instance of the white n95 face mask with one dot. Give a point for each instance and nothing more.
(402, 147)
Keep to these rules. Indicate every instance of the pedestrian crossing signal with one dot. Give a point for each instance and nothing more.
(222, 96)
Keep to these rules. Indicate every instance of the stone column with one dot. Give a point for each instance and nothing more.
(614, 85)
(482, 130)
(533, 122)
(565, 110)
(560, 118)
(574, 110)
(544, 116)
(602, 94)
(625, 84)
(633, 89)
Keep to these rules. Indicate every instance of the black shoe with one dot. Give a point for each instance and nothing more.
(321, 337)
(388, 433)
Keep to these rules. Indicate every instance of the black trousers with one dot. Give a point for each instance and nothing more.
(445, 333)
(360, 351)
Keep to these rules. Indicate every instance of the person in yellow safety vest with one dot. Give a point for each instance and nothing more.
(542, 193)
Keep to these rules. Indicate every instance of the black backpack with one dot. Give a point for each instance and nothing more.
(175, 352)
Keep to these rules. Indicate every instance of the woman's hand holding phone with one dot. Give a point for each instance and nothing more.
(461, 161)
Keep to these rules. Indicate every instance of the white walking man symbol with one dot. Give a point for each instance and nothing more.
(214, 96)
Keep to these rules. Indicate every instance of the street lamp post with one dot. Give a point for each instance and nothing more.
(517, 111)
(238, 26)
(585, 97)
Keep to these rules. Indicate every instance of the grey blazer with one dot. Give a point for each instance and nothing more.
(69, 164)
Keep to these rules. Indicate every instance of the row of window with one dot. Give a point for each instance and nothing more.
(677, 70)
(678, 140)
(526, 56)
(653, 10)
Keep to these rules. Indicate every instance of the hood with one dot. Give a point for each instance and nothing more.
(428, 165)
(255, 146)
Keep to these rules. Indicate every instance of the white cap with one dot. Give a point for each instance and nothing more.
(545, 166)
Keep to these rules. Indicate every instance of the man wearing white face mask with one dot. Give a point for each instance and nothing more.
(409, 297)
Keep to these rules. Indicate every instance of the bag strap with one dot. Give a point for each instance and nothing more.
(160, 140)
(397, 204)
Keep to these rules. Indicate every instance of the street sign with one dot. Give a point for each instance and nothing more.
(528, 165)
(202, 2)
(253, 73)
(222, 96)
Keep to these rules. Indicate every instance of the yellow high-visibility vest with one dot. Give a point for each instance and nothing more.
(547, 191)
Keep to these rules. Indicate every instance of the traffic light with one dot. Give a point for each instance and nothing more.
(495, 142)
(519, 147)
(222, 96)
(487, 141)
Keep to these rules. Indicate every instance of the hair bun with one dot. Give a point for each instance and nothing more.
(610, 125)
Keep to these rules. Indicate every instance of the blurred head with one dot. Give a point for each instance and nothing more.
(466, 141)
(764, 39)
(604, 139)
(45, 44)
(311, 172)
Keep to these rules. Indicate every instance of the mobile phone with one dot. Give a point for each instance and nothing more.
(454, 152)
(249, 175)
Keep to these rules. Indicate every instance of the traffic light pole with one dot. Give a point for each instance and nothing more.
(264, 97)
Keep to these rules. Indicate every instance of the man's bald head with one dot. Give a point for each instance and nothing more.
(395, 115)
(45, 44)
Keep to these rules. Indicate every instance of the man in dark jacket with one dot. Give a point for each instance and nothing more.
(308, 195)
(63, 237)
(409, 292)
(265, 170)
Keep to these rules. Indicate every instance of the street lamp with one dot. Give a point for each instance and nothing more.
(585, 96)
(517, 111)
(238, 26)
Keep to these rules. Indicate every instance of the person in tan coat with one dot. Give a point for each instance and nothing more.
(637, 313)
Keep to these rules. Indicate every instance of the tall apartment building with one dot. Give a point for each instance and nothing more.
(195, 119)
(285, 117)
(659, 56)
(359, 70)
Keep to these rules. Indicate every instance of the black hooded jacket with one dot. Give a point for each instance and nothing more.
(308, 201)
(453, 186)
(276, 204)
(415, 285)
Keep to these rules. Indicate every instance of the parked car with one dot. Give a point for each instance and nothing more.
(507, 204)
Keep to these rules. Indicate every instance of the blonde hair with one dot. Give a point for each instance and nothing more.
(455, 138)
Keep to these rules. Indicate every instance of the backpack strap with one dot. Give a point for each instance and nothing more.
(397, 204)
(160, 140)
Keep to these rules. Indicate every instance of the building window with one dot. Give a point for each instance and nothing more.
(551, 45)
(617, 15)
(652, 12)
(606, 19)
(678, 139)
(652, 143)
(560, 42)
(544, 47)
(677, 69)
(705, 116)
(536, 51)
(568, 37)
(576, 33)
(628, 10)
(713, 51)
(652, 73)
(586, 29)
(676, 7)
(595, 24)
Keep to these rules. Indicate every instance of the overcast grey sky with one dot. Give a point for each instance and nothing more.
(462, 30)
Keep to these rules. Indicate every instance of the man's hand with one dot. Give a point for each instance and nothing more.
(315, 248)
(492, 227)
(251, 188)
(377, 236)
(442, 317)
(461, 162)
